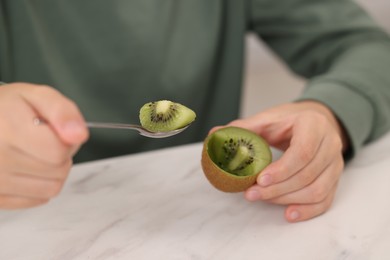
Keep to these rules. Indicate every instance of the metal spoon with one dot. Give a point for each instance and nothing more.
(142, 131)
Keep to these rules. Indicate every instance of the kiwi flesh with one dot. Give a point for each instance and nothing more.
(165, 115)
(233, 157)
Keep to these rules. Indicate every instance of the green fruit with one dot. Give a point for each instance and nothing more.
(165, 115)
(233, 157)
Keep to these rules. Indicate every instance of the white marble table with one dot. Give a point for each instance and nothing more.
(158, 205)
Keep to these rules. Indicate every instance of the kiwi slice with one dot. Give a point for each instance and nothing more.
(165, 115)
(233, 157)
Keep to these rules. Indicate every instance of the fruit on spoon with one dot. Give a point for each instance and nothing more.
(165, 116)
(233, 157)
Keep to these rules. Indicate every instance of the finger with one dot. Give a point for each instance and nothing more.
(14, 202)
(38, 142)
(317, 191)
(322, 160)
(250, 123)
(301, 212)
(29, 187)
(215, 128)
(59, 112)
(16, 161)
(303, 147)
(274, 128)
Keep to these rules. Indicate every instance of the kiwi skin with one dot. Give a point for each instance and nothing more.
(225, 181)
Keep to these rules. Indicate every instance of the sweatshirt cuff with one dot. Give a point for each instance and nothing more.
(353, 110)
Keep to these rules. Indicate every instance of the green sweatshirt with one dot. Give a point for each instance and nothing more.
(112, 56)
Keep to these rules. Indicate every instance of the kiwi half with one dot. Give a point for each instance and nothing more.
(233, 157)
(165, 115)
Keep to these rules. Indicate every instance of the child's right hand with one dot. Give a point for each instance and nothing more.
(35, 159)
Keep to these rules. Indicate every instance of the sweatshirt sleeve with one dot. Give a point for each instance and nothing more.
(341, 51)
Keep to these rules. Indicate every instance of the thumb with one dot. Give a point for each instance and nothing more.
(275, 129)
(60, 113)
(254, 123)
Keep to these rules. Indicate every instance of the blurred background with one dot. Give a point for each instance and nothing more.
(266, 75)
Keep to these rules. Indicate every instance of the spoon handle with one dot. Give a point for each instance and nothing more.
(39, 121)
(113, 125)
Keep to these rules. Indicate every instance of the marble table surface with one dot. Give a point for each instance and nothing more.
(159, 205)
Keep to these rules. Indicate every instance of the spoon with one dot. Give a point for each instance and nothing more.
(142, 131)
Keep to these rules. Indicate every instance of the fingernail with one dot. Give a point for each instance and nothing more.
(253, 194)
(73, 126)
(294, 215)
(74, 131)
(265, 180)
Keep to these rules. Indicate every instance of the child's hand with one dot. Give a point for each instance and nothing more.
(35, 159)
(306, 176)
